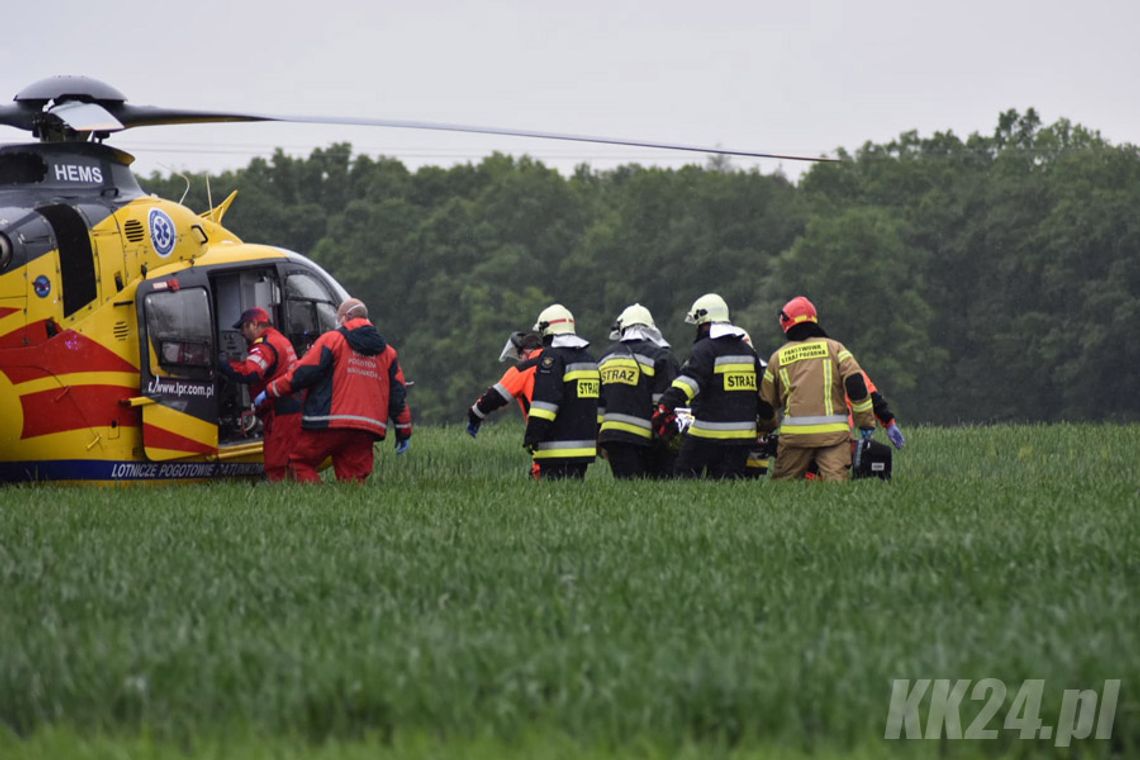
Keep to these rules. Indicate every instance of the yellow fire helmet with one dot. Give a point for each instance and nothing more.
(632, 315)
(555, 319)
(708, 308)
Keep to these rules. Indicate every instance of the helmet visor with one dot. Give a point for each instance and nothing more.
(510, 352)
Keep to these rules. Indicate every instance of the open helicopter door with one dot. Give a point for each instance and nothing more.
(179, 402)
(236, 289)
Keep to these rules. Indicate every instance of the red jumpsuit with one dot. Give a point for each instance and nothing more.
(355, 387)
(271, 356)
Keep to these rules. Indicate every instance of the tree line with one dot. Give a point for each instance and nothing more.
(984, 279)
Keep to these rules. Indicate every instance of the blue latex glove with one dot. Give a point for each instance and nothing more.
(472, 429)
(259, 399)
(895, 433)
(867, 433)
(402, 445)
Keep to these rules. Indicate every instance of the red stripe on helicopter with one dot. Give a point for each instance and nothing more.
(6, 310)
(160, 438)
(65, 353)
(75, 407)
(25, 335)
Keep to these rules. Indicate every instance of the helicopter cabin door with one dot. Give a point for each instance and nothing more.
(180, 406)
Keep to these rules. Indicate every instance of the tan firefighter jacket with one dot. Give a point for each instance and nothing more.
(807, 382)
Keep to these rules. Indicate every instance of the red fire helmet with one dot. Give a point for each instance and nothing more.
(797, 310)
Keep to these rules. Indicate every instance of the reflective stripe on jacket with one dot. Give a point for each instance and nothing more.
(516, 383)
(635, 374)
(719, 382)
(563, 422)
(882, 411)
(354, 381)
(806, 380)
(270, 356)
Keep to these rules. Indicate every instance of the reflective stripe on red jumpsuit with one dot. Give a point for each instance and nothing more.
(270, 357)
(347, 391)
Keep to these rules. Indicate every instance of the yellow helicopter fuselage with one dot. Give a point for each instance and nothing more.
(114, 308)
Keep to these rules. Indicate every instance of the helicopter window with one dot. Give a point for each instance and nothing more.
(302, 285)
(326, 315)
(5, 251)
(22, 169)
(179, 328)
(76, 259)
(309, 309)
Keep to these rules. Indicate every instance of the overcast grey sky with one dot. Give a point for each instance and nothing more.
(787, 77)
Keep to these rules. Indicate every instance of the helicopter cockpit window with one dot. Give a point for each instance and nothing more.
(180, 331)
(309, 309)
(6, 250)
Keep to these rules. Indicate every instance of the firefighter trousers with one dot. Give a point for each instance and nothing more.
(699, 459)
(632, 461)
(558, 470)
(834, 462)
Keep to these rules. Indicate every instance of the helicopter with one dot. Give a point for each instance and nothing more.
(115, 305)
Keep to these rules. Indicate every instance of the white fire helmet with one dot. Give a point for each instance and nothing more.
(708, 308)
(555, 319)
(632, 315)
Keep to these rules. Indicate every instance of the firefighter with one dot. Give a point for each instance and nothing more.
(636, 371)
(763, 451)
(887, 420)
(355, 391)
(516, 383)
(883, 414)
(719, 383)
(562, 429)
(807, 382)
(871, 458)
(270, 356)
(760, 456)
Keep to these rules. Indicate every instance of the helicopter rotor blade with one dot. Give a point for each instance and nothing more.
(153, 116)
(135, 116)
(19, 116)
(74, 107)
(468, 128)
(542, 136)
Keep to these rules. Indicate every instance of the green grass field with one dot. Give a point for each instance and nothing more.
(451, 608)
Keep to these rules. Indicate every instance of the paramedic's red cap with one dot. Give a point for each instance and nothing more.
(257, 315)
